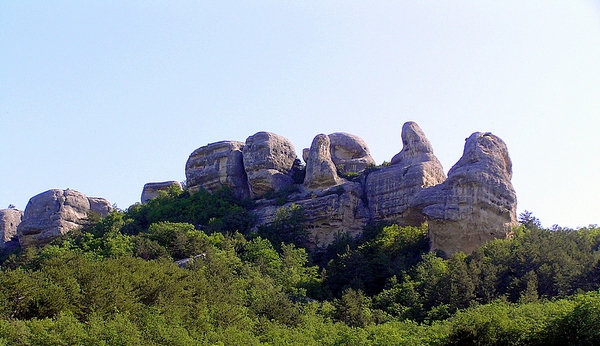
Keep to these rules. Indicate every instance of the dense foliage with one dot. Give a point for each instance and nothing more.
(116, 282)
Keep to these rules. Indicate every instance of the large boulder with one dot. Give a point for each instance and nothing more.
(349, 153)
(268, 160)
(477, 203)
(320, 170)
(390, 190)
(54, 213)
(9, 220)
(216, 165)
(153, 190)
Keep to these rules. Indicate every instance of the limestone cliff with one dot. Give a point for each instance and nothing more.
(475, 204)
(216, 165)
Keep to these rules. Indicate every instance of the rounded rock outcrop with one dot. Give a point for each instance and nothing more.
(477, 203)
(216, 165)
(268, 159)
(349, 153)
(53, 213)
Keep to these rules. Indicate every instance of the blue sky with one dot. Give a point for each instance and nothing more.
(105, 96)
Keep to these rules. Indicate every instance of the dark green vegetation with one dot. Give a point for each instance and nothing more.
(116, 282)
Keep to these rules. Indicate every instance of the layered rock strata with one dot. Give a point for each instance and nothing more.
(9, 220)
(328, 213)
(55, 212)
(153, 190)
(477, 203)
(216, 165)
(391, 189)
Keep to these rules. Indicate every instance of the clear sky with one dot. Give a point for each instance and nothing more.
(105, 96)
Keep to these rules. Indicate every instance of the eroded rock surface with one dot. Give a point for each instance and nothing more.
(9, 220)
(333, 211)
(477, 203)
(268, 159)
(152, 190)
(55, 212)
(321, 172)
(390, 190)
(216, 165)
(349, 153)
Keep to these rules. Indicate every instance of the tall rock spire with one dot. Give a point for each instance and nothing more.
(390, 190)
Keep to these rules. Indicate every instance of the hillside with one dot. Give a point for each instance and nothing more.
(115, 281)
(256, 249)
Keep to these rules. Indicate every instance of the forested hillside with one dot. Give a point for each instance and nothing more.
(192, 270)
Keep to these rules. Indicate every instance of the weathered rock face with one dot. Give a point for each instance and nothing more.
(349, 153)
(391, 189)
(268, 159)
(216, 165)
(333, 211)
(53, 213)
(100, 205)
(477, 203)
(152, 190)
(320, 170)
(9, 220)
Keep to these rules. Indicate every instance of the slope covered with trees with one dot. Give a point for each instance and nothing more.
(116, 282)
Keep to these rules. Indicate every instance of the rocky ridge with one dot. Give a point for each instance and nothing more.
(475, 204)
(340, 189)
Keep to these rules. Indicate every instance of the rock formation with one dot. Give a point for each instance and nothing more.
(55, 212)
(320, 170)
(268, 159)
(327, 213)
(216, 165)
(152, 190)
(349, 153)
(391, 189)
(477, 203)
(9, 220)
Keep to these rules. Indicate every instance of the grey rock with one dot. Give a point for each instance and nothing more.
(216, 165)
(321, 173)
(182, 263)
(9, 220)
(328, 213)
(268, 159)
(100, 205)
(349, 153)
(152, 190)
(390, 190)
(54, 213)
(477, 203)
